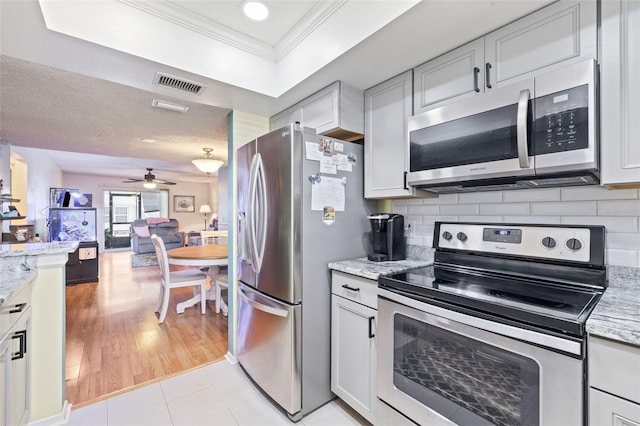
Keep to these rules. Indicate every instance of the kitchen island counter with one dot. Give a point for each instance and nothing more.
(44, 265)
(18, 263)
(617, 315)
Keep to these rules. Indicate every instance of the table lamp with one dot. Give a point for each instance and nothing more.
(205, 209)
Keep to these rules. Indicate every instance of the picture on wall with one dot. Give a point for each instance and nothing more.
(184, 203)
(84, 200)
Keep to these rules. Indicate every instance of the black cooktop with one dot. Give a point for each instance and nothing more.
(559, 307)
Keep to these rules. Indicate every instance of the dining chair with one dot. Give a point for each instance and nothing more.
(221, 282)
(213, 237)
(218, 280)
(185, 278)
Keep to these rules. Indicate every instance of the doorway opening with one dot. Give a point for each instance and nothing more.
(123, 207)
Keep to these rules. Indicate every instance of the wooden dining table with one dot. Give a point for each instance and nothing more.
(208, 255)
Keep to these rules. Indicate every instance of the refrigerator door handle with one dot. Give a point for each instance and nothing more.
(261, 189)
(242, 238)
(262, 307)
(251, 212)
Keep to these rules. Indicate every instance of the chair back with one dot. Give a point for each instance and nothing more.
(161, 254)
(213, 237)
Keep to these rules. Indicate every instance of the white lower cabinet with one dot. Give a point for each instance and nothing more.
(354, 343)
(614, 388)
(15, 314)
(610, 410)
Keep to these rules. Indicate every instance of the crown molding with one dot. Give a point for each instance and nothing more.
(179, 15)
(306, 26)
(176, 14)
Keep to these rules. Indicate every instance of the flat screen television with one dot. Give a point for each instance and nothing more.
(62, 197)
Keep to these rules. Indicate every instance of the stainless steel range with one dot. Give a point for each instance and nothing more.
(494, 332)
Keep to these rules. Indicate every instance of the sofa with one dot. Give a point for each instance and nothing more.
(142, 230)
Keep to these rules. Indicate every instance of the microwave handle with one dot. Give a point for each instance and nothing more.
(523, 131)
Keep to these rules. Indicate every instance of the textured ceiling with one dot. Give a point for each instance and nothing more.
(46, 107)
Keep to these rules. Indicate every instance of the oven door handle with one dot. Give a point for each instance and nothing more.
(522, 134)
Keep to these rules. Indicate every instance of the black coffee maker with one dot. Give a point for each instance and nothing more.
(389, 242)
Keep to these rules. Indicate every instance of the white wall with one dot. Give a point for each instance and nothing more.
(617, 210)
(42, 174)
(96, 185)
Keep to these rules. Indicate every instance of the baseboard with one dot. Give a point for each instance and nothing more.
(58, 419)
(230, 358)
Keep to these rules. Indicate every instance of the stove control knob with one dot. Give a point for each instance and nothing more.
(447, 235)
(574, 244)
(549, 242)
(462, 236)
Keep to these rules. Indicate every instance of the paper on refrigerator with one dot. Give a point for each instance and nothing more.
(328, 192)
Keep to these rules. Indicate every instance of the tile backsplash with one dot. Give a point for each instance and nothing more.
(617, 210)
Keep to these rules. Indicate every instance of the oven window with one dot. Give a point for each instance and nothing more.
(480, 138)
(465, 380)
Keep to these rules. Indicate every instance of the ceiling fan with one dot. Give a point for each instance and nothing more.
(149, 180)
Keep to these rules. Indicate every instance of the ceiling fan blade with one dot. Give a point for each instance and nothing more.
(133, 180)
(163, 182)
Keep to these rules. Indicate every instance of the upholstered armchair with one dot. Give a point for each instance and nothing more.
(143, 229)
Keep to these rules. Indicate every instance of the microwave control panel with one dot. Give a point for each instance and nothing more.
(562, 121)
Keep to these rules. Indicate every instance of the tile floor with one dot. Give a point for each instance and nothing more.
(216, 394)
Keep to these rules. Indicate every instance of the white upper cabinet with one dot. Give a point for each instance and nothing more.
(336, 110)
(562, 33)
(453, 76)
(386, 158)
(620, 93)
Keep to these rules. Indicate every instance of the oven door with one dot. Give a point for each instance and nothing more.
(484, 137)
(438, 366)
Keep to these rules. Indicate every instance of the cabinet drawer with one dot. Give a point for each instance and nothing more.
(605, 409)
(614, 368)
(13, 307)
(355, 288)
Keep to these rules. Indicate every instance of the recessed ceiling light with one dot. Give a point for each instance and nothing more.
(169, 105)
(147, 140)
(255, 9)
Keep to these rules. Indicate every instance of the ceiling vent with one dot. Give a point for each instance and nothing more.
(167, 80)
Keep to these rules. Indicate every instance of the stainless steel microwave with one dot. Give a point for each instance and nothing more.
(541, 132)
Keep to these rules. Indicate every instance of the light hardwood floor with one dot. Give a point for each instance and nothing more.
(114, 341)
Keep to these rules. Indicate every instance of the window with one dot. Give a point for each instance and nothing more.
(120, 214)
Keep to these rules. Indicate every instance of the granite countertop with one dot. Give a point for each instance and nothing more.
(14, 250)
(372, 270)
(18, 263)
(617, 315)
(417, 257)
(10, 283)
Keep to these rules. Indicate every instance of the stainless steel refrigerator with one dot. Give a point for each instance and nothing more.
(301, 205)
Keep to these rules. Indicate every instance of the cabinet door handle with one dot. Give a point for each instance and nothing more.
(405, 181)
(19, 308)
(350, 288)
(22, 335)
(487, 75)
(476, 71)
(371, 335)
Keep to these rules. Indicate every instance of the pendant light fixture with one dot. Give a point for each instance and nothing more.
(207, 163)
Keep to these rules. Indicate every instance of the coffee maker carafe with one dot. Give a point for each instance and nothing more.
(389, 242)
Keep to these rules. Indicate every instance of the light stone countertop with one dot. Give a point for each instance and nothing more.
(12, 282)
(18, 263)
(617, 315)
(13, 250)
(417, 257)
